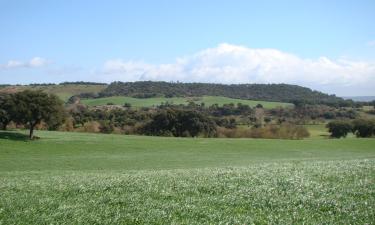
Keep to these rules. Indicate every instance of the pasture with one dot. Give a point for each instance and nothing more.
(207, 100)
(79, 178)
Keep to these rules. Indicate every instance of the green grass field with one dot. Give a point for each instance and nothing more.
(79, 178)
(207, 100)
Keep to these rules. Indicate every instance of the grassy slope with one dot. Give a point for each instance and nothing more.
(79, 178)
(63, 91)
(208, 100)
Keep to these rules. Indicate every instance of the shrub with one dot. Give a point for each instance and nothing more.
(67, 125)
(285, 131)
(339, 129)
(127, 105)
(180, 123)
(363, 128)
(91, 126)
(106, 127)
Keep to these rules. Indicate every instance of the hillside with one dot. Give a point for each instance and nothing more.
(155, 101)
(261, 92)
(148, 89)
(63, 90)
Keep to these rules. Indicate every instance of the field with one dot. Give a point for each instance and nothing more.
(207, 100)
(78, 178)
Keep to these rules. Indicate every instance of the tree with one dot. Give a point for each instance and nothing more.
(339, 129)
(32, 107)
(363, 128)
(5, 110)
(180, 123)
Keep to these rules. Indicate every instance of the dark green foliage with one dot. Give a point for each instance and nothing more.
(82, 83)
(313, 112)
(180, 123)
(33, 107)
(266, 92)
(127, 105)
(339, 129)
(106, 127)
(363, 128)
(5, 110)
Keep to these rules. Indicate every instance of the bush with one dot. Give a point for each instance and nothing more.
(363, 128)
(127, 105)
(106, 127)
(339, 129)
(285, 131)
(180, 123)
(91, 126)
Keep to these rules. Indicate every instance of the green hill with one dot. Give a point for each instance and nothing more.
(64, 91)
(155, 101)
(259, 92)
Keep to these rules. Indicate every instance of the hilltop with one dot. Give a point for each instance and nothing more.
(150, 89)
(260, 92)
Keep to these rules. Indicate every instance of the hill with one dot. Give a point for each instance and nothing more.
(62, 90)
(260, 92)
(149, 89)
(155, 101)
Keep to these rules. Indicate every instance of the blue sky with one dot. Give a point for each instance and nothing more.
(205, 41)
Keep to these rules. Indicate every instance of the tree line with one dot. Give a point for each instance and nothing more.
(31, 109)
(359, 127)
(266, 92)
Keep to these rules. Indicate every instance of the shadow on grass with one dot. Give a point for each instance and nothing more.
(13, 136)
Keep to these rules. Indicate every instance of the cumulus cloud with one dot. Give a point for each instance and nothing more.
(228, 63)
(32, 63)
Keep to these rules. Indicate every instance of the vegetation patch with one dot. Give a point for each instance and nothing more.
(157, 101)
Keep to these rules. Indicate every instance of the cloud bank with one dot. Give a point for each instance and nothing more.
(228, 63)
(32, 63)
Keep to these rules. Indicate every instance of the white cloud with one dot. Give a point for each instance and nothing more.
(238, 64)
(32, 63)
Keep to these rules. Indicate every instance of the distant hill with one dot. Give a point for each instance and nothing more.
(360, 98)
(155, 101)
(63, 90)
(147, 89)
(260, 92)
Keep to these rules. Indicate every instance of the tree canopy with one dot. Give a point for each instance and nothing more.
(266, 92)
(32, 107)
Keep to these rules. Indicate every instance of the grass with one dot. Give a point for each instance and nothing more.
(207, 100)
(78, 178)
(318, 131)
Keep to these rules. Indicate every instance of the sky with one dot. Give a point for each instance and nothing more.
(325, 45)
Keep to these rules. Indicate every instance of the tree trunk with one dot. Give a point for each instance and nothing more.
(4, 126)
(31, 135)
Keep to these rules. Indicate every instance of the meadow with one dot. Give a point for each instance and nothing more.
(80, 178)
(207, 100)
